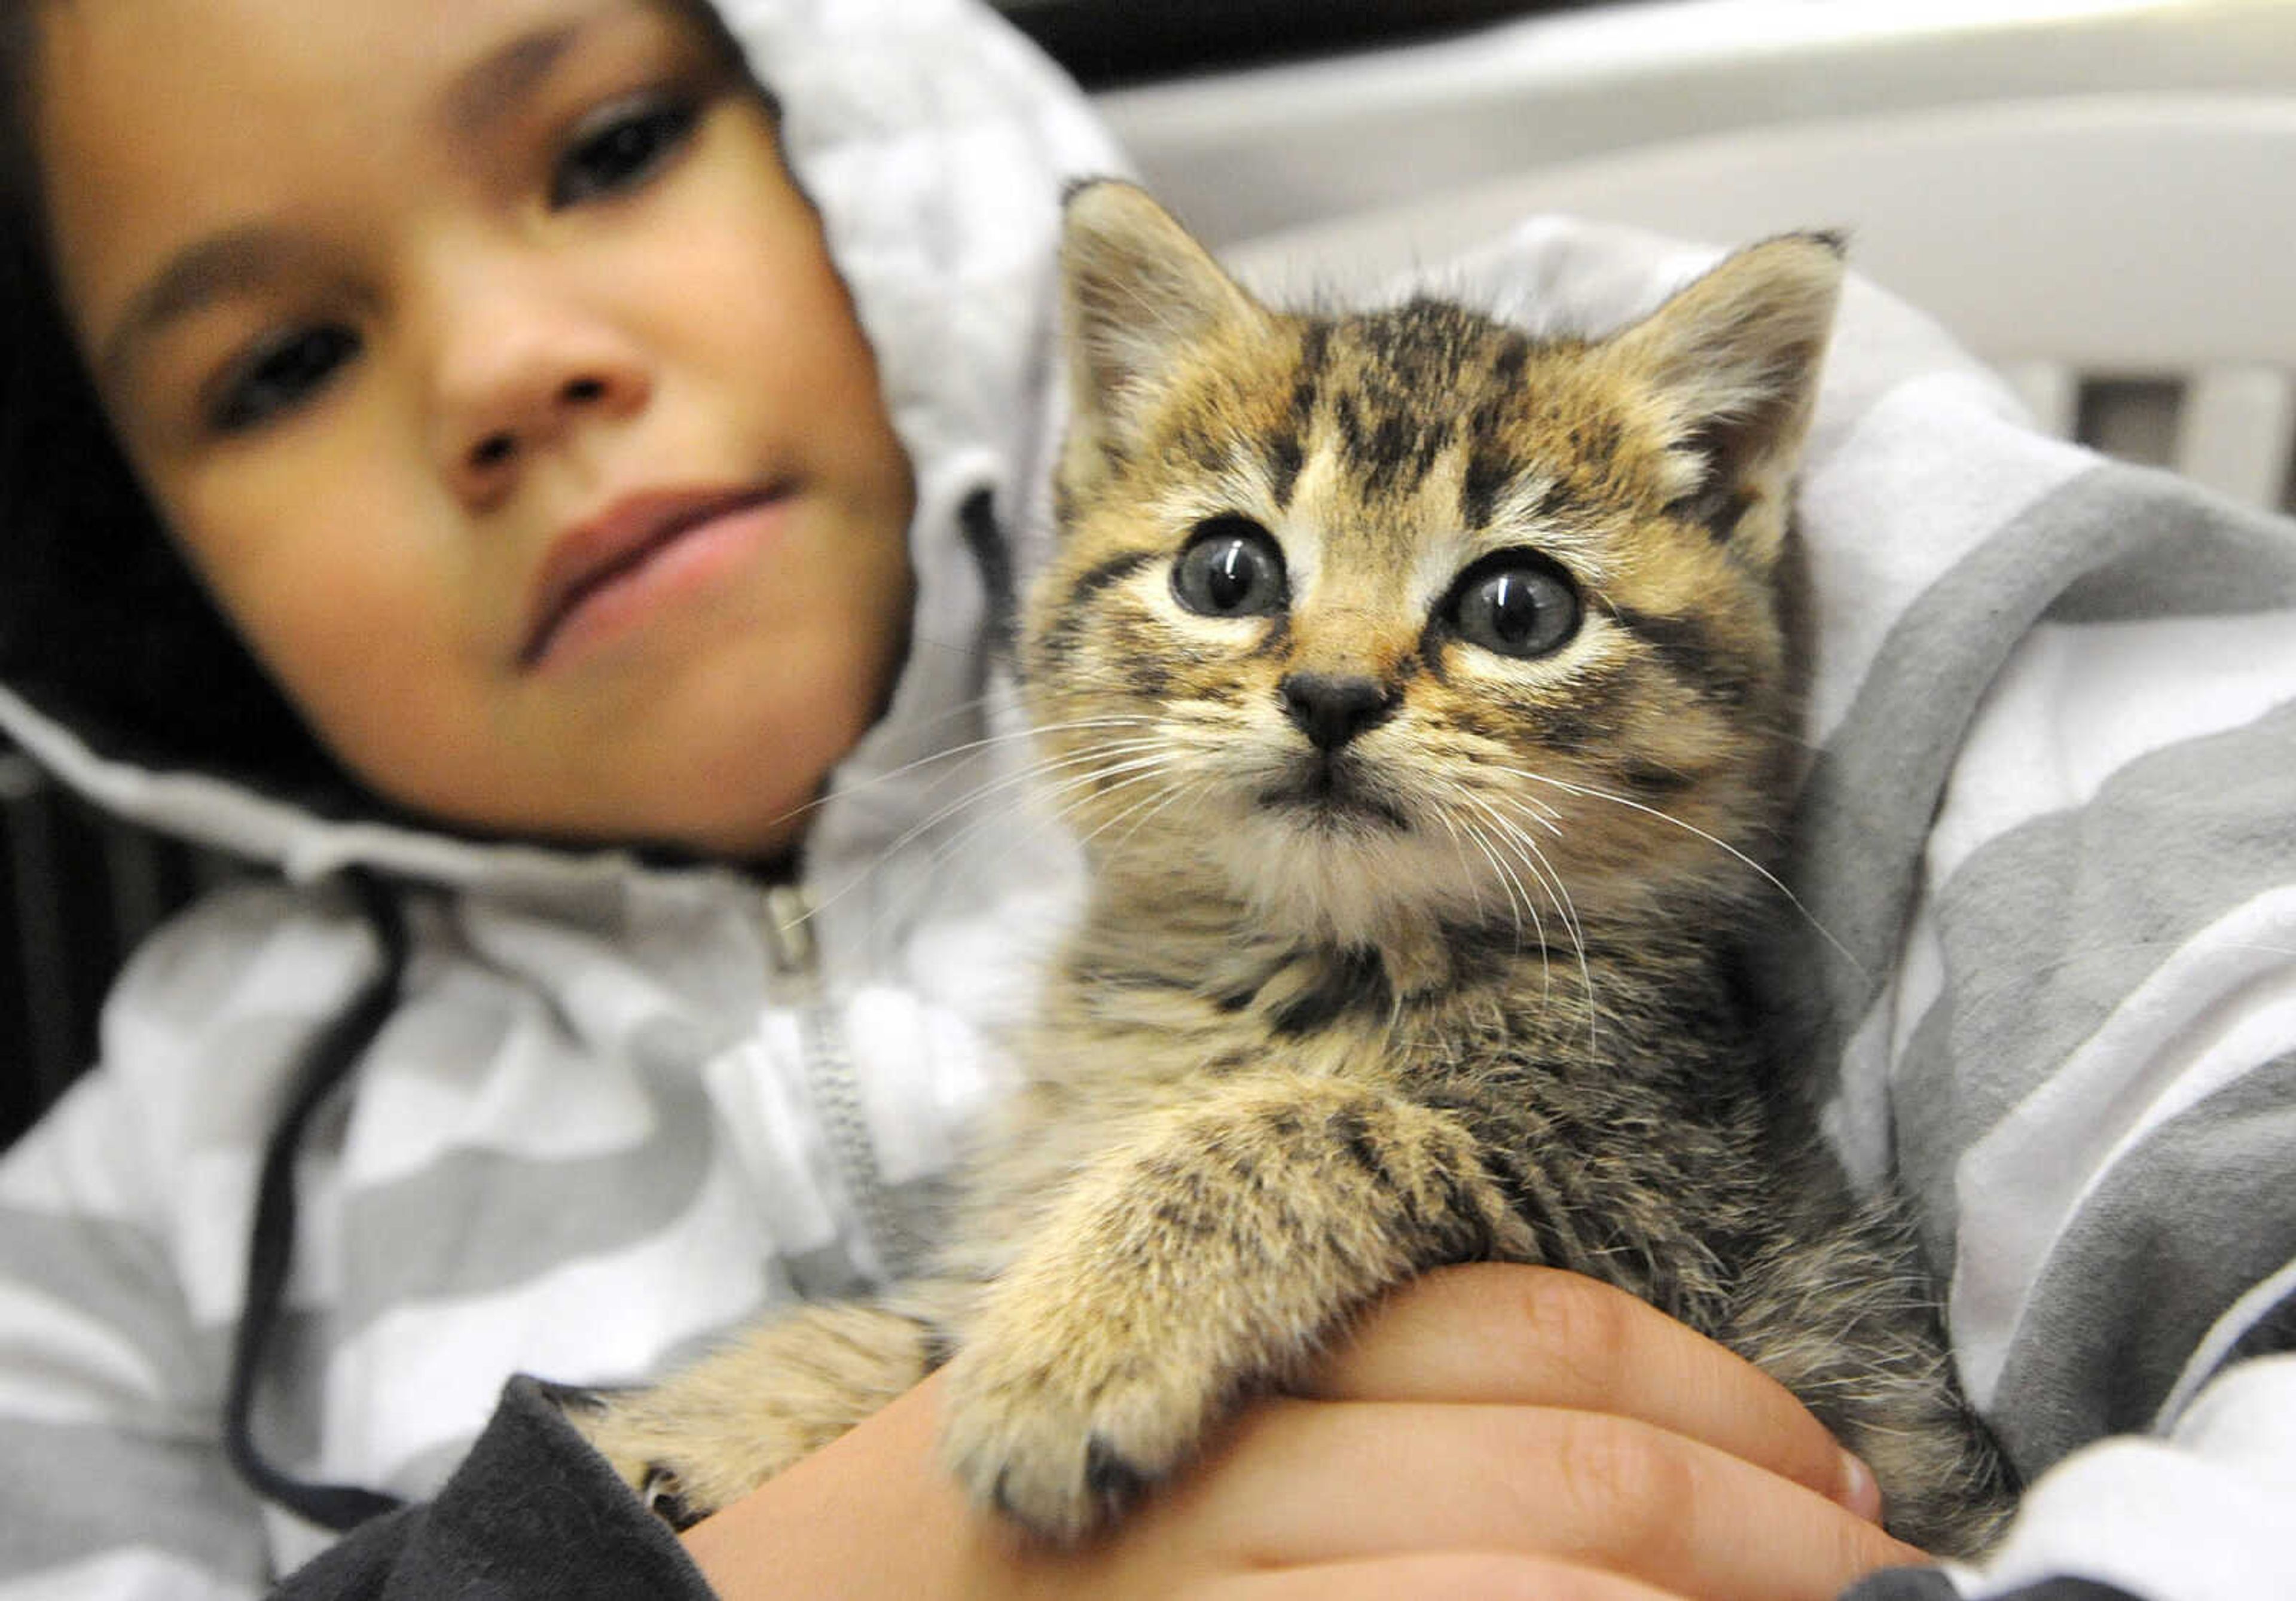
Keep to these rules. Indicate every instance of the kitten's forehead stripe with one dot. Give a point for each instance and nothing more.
(1208, 451)
(1488, 471)
(1411, 387)
(1284, 457)
(1315, 348)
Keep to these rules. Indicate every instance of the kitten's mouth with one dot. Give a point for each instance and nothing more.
(1329, 788)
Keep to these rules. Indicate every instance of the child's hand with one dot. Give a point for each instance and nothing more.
(1490, 1431)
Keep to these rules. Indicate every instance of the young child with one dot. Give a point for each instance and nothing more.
(593, 504)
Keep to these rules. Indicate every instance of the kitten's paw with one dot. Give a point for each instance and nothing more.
(669, 1467)
(708, 1435)
(1062, 1437)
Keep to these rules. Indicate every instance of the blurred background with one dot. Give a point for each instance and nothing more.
(2099, 196)
(1109, 43)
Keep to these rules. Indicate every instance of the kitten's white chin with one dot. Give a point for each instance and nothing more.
(1349, 884)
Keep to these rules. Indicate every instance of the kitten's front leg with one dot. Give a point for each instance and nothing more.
(714, 1430)
(1210, 1255)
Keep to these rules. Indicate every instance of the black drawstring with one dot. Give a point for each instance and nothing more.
(328, 1061)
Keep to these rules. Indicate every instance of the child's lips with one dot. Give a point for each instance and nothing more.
(593, 557)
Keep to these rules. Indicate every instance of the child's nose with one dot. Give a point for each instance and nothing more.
(522, 383)
(491, 453)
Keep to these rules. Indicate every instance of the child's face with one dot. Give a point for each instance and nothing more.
(493, 373)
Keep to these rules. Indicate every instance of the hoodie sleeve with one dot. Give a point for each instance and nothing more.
(112, 1477)
(124, 1223)
(532, 1512)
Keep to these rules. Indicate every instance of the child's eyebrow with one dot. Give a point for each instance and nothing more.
(481, 94)
(233, 262)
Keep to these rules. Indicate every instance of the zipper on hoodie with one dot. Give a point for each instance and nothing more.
(792, 960)
(882, 1246)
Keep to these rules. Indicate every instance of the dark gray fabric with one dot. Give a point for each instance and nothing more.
(532, 1512)
(1929, 1584)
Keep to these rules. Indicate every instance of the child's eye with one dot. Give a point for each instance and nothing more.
(621, 145)
(280, 375)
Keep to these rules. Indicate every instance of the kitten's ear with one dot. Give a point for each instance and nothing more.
(1139, 292)
(1733, 360)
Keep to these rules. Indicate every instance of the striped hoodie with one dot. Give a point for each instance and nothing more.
(2046, 846)
(2048, 831)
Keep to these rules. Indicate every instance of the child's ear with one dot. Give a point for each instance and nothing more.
(1139, 294)
(1731, 363)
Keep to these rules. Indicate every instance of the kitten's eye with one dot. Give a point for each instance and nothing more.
(1232, 568)
(279, 374)
(1517, 604)
(620, 145)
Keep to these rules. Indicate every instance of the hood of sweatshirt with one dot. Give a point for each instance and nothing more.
(936, 143)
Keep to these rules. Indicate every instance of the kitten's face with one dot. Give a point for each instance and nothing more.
(1403, 614)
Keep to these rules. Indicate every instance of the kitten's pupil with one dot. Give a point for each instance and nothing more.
(1516, 604)
(1514, 609)
(1232, 568)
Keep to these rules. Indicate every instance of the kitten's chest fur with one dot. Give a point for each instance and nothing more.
(1615, 1088)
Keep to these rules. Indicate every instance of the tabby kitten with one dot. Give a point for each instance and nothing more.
(1421, 692)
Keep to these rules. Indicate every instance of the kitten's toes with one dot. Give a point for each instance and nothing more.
(1060, 1450)
(709, 1434)
(664, 1495)
(658, 1462)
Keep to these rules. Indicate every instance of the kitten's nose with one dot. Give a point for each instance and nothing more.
(1331, 709)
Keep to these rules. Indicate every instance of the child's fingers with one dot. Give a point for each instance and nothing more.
(1335, 1482)
(1491, 1494)
(1537, 1336)
(1467, 1576)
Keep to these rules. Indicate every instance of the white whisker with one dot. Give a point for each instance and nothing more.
(1139, 769)
(1519, 900)
(1032, 774)
(1545, 871)
(1774, 882)
(1173, 794)
(1467, 871)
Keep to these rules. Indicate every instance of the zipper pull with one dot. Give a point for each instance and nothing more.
(790, 949)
